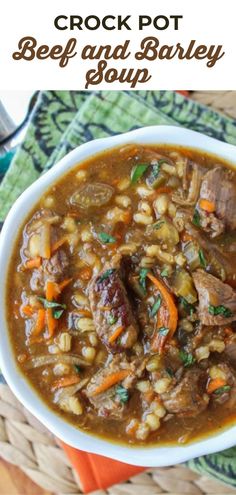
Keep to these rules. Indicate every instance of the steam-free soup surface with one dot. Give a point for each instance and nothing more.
(121, 295)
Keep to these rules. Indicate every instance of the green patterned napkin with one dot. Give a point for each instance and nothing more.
(64, 119)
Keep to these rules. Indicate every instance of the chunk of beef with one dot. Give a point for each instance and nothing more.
(111, 310)
(187, 398)
(111, 404)
(213, 292)
(218, 188)
(52, 269)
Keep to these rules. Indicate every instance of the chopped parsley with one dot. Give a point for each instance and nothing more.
(187, 358)
(202, 258)
(138, 171)
(156, 306)
(106, 238)
(221, 390)
(196, 218)
(220, 310)
(111, 319)
(122, 393)
(51, 304)
(142, 278)
(170, 372)
(57, 313)
(158, 225)
(165, 272)
(189, 308)
(163, 331)
(106, 274)
(78, 368)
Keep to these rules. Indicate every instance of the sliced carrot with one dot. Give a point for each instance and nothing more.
(168, 314)
(85, 273)
(56, 245)
(64, 284)
(163, 190)
(52, 290)
(116, 334)
(33, 263)
(39, 324)
(213, 385)
(168, 298)
(27, 310)
(206, 205)
(109, 381)
(65, 381)
(186, 237)
(51, 322)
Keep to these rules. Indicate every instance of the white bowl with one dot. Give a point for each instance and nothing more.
(141, 456)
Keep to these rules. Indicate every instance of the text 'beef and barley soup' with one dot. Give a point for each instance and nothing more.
(121, 295)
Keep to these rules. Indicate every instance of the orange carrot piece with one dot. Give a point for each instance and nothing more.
(109, 381)
(228, 331)
(206, 205)
(168, 298)
(64, 284)
(65, 381)
(213, 385)
(85, 273)
(51, 322)
(127, 217)
(33, 263)
(186, 237)
(52, 290)
(163, 190)
(56, 245)
(167, 315)
(84, 312)
(27, 310)
(40, 323)
(116, 334)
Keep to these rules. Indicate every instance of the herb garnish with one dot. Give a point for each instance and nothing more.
(202, 258)
(106, 274)
(156, 306)
(221, 390)
(189, 308)
(170, 372)
(163, 331)
(196, 218)
(123, 393)
(111, 319)
(78, 368)
(219, 310)
(106, 238)
(57, 313)
(138, 171)
(158, 225)
(187, 358)
(164, 272)
(51, 304)
(142, 278)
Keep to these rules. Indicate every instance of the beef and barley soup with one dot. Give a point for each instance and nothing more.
(121, 295)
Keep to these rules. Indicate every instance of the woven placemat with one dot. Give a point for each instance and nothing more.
(25, 442)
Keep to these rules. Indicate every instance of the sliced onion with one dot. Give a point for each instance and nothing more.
(96, 194)
(194, 189)
(70, 390)
(45, 359)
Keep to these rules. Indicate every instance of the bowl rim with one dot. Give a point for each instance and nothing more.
(150, 456)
